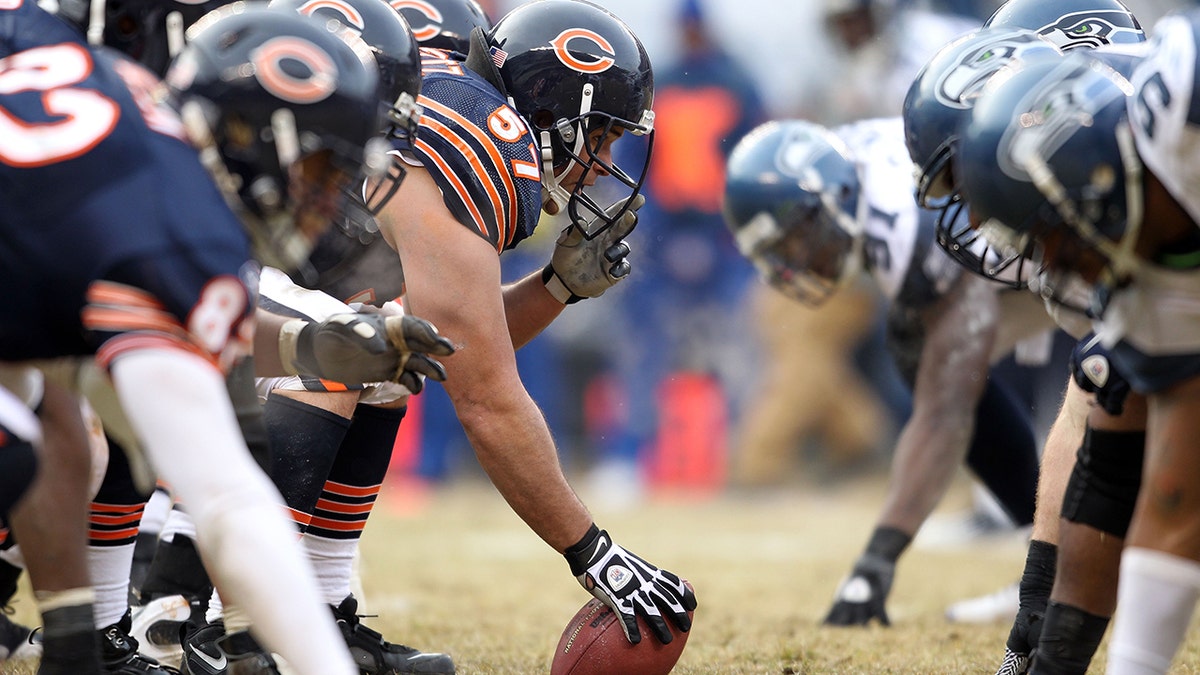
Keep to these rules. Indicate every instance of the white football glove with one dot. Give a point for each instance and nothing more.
(585, 268)
(631, 586)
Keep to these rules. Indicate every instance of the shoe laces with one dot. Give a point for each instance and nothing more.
(346, 613)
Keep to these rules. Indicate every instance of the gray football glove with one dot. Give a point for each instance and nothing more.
(631, 586)
(585, 268)
(359, 348)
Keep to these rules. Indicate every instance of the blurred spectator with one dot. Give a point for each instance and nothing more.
(884, 44)
(687, 340)
(812, 392)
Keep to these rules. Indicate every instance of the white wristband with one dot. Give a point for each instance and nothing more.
(289, 334)
(555, 285)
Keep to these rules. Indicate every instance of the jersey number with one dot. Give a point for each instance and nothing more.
(80, 118)
(1152, 98)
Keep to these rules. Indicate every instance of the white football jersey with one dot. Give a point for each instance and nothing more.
(900, 252)
(1165, 111)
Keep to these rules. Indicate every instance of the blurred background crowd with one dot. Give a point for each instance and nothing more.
(694, 375)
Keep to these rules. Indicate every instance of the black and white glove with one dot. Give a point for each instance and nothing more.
(1037, 580)
(370, 347)
(631, 586)
(863, 595)
(585, 268)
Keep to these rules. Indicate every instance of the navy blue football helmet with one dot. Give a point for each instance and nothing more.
(572, 69)
(1072, 24)
(443, 24)
(1048, 166)
(395, 49)
(149, 31)
(791, 202)
(937, 105)
(286, 114)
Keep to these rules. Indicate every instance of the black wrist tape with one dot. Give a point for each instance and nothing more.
(888, 543)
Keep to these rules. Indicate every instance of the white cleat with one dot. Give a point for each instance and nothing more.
(996, 606)
(156, 628)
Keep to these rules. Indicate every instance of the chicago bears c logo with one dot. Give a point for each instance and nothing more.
(346, 13)
(596, 62)
(295, 70)
(425, 20)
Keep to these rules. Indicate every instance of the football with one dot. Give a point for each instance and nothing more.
(594, 644)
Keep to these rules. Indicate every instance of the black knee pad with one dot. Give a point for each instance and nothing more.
(1103, 488)
(18, 466)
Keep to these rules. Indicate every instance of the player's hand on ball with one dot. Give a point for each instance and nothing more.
(365, 347)
(585, 268)
(862, 595)
(1022, 640)
(631, 586)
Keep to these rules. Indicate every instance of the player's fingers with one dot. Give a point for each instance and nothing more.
(616, 252)
(412, 382)
(620, 270)
(629, 625)
(419, 335)
(426, 366)
(659, 627)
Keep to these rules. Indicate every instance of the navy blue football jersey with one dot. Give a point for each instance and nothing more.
(479, 150)
(112, 234)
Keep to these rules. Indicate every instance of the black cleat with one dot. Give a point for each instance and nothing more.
(209, 651)
(376, 656)
(119, 653)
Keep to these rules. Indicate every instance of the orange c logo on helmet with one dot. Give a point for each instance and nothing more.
(351, 16)
(433, 25)
(601, 64)
(289, 84)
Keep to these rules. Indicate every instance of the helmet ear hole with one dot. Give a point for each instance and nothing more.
(543, 119)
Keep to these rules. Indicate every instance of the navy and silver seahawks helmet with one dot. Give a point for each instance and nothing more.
(1072, 24)
(937, 105)
(791, 202)
(285, 111)
(1048, 152)
(443, 24)
(571, 69)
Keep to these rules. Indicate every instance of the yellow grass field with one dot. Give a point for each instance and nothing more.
(454, 570)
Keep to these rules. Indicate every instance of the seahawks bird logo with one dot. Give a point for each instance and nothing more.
(960, 85)
(1092, 29)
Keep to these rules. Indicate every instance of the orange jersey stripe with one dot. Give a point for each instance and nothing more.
(111, 535)
(509, 226)
(97, 519)
(343, 490)
(136, 341)
(348, 509)
(478, 167)
(111, 293)
(117, 508)
(461, 189)
(338, 525)
(301, 518)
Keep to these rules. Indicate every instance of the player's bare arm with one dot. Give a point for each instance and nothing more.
(453, 279)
